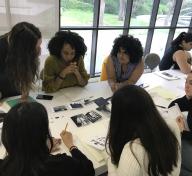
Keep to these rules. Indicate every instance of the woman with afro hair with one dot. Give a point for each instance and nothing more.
(65, 66)
(124, 65)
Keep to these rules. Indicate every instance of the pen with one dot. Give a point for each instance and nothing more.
(161, 106)
(65, 127)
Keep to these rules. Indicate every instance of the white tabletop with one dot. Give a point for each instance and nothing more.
(99, 128)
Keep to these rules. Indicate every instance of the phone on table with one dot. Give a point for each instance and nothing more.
(44, 97)
(167, 74)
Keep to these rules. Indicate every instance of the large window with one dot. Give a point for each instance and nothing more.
(154, 22)
(42, 13)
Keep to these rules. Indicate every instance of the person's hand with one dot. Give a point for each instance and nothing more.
(75, 67)
(67, 138)
(56, 144)
(69, 69)
(180, 123)
(115, 86)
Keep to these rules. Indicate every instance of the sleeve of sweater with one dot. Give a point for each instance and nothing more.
(129, 162)
(86, 166)
(49, 75)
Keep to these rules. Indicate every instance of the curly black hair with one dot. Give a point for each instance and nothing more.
(131, 45)
(56, 43)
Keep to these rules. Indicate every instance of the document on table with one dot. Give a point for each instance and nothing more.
(162, 92)
(174, 112)
(93, 138)
(167, 75)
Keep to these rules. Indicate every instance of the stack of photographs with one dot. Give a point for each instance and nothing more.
(82, 120)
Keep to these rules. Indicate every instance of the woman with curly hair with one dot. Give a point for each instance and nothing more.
(65, 66)
(124, 65)
(177, 56)
(19, 51)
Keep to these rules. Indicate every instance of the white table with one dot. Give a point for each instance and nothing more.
(97, 89)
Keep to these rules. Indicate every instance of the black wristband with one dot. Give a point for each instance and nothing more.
(72, 147)
(60, 77)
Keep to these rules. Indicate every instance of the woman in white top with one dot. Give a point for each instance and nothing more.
(140, 141)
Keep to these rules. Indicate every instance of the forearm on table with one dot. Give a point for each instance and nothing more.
(52, 85)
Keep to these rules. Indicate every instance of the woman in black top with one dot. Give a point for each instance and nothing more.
(19, 51)
(177, 56)
(25, 136)
(185, 104)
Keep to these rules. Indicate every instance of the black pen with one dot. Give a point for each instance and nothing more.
(161, 106)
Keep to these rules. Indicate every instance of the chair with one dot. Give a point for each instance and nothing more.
(152, 60)
(103, 76)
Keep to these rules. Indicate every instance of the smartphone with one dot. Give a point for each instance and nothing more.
(167, 74)
(44, 97)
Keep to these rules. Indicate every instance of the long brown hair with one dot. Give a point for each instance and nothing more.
(22, 59)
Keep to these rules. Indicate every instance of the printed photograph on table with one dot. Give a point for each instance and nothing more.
(75, 105)
(80, 120)
(60, 108)
(101, 101)
(93, 116)
(97, 142)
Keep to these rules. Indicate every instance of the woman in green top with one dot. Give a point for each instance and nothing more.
(65, 66)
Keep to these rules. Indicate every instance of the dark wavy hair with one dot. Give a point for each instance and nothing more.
(25, 133)
(22, 59)
(131, 45)
(67, 37)
(134, 115)
(187, 37)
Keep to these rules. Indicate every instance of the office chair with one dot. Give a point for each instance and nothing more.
(152, 60)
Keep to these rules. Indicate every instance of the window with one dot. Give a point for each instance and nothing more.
(99, 22)
(141, 12)
(42, 13)
(76, 13)
(158, 42)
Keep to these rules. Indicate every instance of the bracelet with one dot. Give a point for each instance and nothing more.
(72, 147)
(60, 77)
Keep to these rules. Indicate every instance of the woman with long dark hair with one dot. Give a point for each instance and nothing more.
(19, 51)
(139, 140)
(25, 136)
(177, 56)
